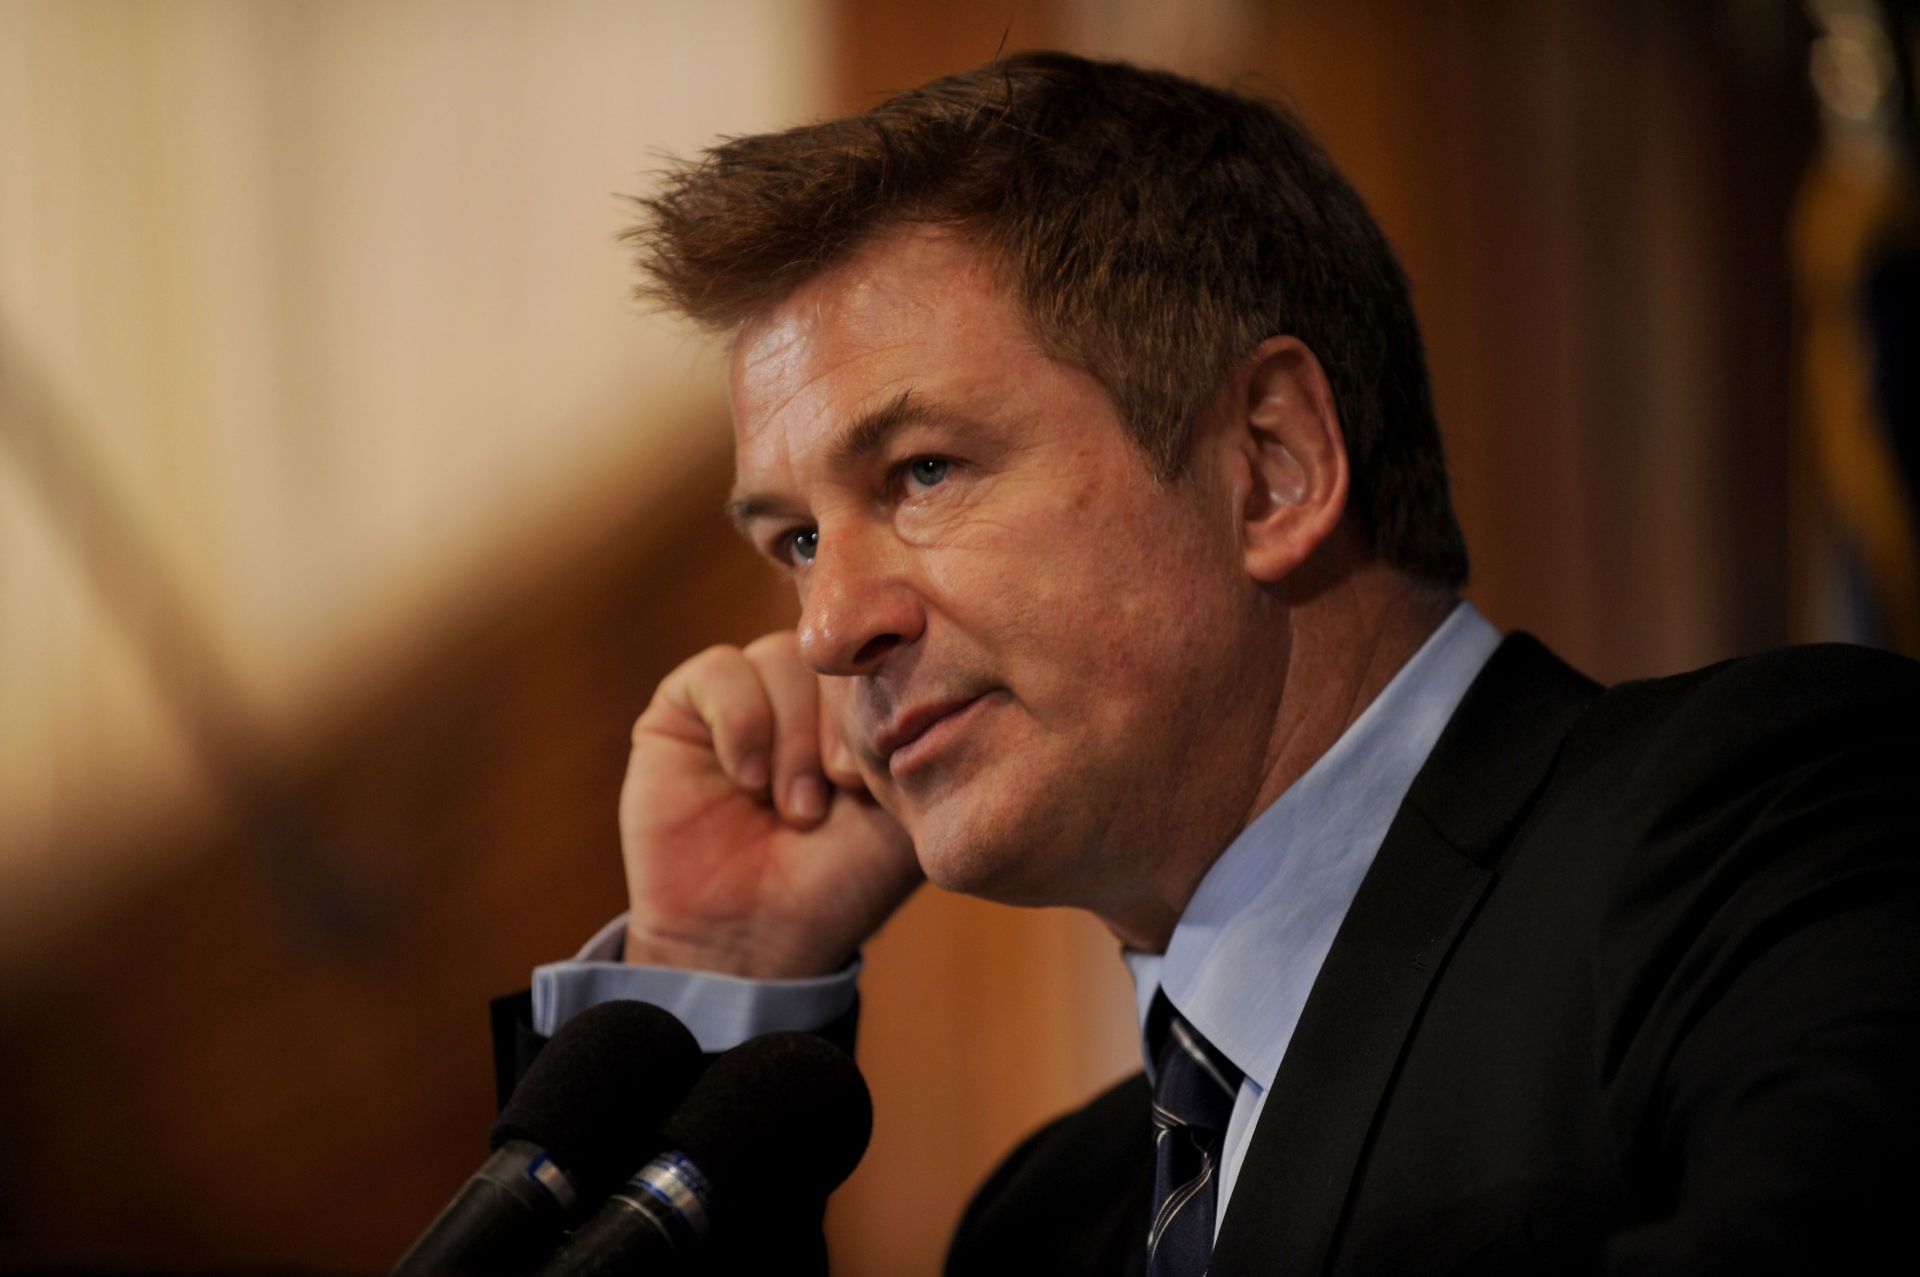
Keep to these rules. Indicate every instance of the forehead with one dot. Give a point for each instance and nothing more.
(915, 311)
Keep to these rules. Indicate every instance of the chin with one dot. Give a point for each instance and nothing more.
(974, 862)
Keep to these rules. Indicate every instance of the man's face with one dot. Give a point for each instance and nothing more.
(1028, 640)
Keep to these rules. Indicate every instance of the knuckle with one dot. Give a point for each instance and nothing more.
(697, 672)
(775, 644)
(710, 659)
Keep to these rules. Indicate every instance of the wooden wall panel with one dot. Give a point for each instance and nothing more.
(1588, 200)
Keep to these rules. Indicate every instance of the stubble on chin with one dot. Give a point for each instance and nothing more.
(1009, 852)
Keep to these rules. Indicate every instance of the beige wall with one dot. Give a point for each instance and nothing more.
(310, 315)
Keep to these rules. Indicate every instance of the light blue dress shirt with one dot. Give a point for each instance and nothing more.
(1251, 942)
(1244, 954)
(722, 1010)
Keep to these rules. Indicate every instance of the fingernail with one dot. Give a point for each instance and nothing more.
(808, 798)
(753, 771)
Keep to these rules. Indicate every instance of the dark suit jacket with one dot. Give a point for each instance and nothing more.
(1632, 984)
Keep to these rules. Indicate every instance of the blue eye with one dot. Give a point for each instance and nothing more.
(802, 546)
(928, 471)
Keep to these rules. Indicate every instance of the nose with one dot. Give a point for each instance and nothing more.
(856, 605)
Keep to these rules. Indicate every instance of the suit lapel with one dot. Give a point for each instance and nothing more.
(1437, 862)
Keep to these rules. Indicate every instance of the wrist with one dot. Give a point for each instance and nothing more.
(715, 952)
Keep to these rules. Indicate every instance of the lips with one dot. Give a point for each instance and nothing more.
(915, 723)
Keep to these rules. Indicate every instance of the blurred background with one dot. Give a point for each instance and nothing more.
(349, 512)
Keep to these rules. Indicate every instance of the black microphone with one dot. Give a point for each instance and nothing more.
(577, 1124)
(772, 1128)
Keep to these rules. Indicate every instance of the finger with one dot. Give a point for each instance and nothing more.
(799, 787)
(837, 758)
(722, 690)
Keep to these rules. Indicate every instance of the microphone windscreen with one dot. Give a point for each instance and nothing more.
(781, 1116)
(595, 1096)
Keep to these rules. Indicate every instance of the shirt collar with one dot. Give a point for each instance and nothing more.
(1250, 943)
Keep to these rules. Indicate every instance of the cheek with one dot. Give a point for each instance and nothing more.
(1150, 624)
(1107, 583)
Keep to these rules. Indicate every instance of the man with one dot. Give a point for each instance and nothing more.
(1086, 410)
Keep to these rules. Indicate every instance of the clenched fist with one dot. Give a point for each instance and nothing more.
(751, 844)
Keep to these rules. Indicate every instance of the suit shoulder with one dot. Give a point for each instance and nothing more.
(1746, 841)
(1746, 783)
(1794, 698)
(1813, 677)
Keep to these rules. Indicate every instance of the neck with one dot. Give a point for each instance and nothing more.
(1343, 644)
(1346, 647)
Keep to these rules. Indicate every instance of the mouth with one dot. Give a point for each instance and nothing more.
(921, 732)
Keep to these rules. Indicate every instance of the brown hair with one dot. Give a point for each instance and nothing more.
(1155, 229)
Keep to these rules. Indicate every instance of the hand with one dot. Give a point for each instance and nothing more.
(751, 844)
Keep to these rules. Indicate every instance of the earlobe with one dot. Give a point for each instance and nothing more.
(1295, 457)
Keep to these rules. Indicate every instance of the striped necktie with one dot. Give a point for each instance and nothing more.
(1193, 1096)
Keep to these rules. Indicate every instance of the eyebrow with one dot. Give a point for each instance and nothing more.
(860, 441)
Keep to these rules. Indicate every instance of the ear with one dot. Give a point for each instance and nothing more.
(1293, 458)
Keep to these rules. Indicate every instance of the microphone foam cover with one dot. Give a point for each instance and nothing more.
(594, 1097)
(780, 1116)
